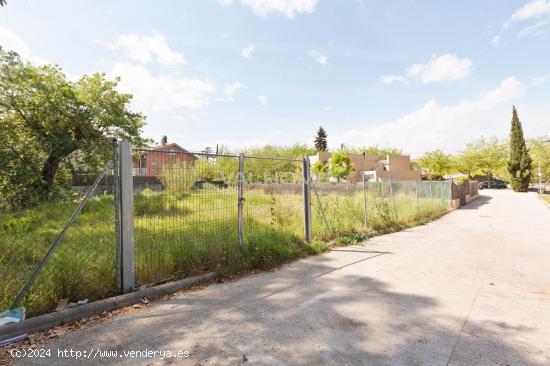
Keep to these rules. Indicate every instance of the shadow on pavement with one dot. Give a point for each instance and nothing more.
(475, 205)
(310, 313)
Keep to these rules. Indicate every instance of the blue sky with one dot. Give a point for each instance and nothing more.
(418, 75)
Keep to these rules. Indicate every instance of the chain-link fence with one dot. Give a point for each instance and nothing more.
(195, 212)
(185, 213)
(166, 213)
(345, 207)
(273, 201)
(62, 249)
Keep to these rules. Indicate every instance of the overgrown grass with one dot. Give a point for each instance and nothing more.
(178, 235)
(546, 197)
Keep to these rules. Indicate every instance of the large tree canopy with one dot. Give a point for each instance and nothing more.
(483, 157)
(50, 125)
(437, 163)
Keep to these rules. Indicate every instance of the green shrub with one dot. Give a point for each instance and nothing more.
(178, 179)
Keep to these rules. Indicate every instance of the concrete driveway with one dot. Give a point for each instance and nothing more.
(472, 288)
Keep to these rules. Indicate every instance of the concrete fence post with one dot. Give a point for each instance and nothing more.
(365, 201)
(126, 220)
(307, 198)
(417, 205)
(116, 195)
(392, 199)
(240, 202)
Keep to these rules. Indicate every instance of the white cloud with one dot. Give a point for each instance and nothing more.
(230, 90)
(446, 67)
(447, 127)
(441, 68)
(495, 40)
(390, 79)
(247, 52)
(154, 94)
(537, 29)
(318, 57)
(145, 49)
(328, 108)
(262, 99)
(11, 41)
(534, 9)
(265, 8)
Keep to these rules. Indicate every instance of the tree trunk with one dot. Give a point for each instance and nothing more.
(49, 170)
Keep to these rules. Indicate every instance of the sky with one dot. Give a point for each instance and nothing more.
(418, 75)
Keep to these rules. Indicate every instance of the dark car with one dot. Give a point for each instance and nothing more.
(495, 183)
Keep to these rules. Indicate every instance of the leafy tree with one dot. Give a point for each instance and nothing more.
(321, 140)
(54, 126)
(519, 163)
(374, 151)
(483, 157)
(437, 163)
(540, 153)
(340, 166)
(320, 169)
(287, 167)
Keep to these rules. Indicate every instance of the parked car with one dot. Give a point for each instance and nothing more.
(495, 183)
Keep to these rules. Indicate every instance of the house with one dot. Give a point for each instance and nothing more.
(150, 161)
(374, 168)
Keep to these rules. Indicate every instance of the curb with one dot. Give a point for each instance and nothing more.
(47, 321)
(543, 201)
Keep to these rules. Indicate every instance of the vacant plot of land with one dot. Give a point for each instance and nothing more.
(472, 288)
(178, 234)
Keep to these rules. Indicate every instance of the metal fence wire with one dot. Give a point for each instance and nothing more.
(191, 213)
(345, 207)
(185, 213)
(60, 250)
(273, 201)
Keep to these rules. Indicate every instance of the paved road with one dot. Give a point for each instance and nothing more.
(472, 288)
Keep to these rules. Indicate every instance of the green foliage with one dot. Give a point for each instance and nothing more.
(340, 166)
(320, 169)
(384, 212)
(150, 203)
(53, 126)
(177, 179)
(266, 170)
(320, 141)
(519, 163)
(437, 163)
(540, 153)
(483, 157)
(374, 151)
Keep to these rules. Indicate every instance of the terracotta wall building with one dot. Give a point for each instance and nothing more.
(150, 161)
(396, 167)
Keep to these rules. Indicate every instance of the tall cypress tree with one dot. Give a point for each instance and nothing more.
(321, 140)
(519, 164)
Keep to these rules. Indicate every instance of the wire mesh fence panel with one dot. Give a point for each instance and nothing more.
(433, 196)
(185, 213)
(404, 200)
(345, 207)
(82, 263)
(273, 204)
(337, 208)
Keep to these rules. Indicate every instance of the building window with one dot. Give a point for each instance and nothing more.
(154, 165)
